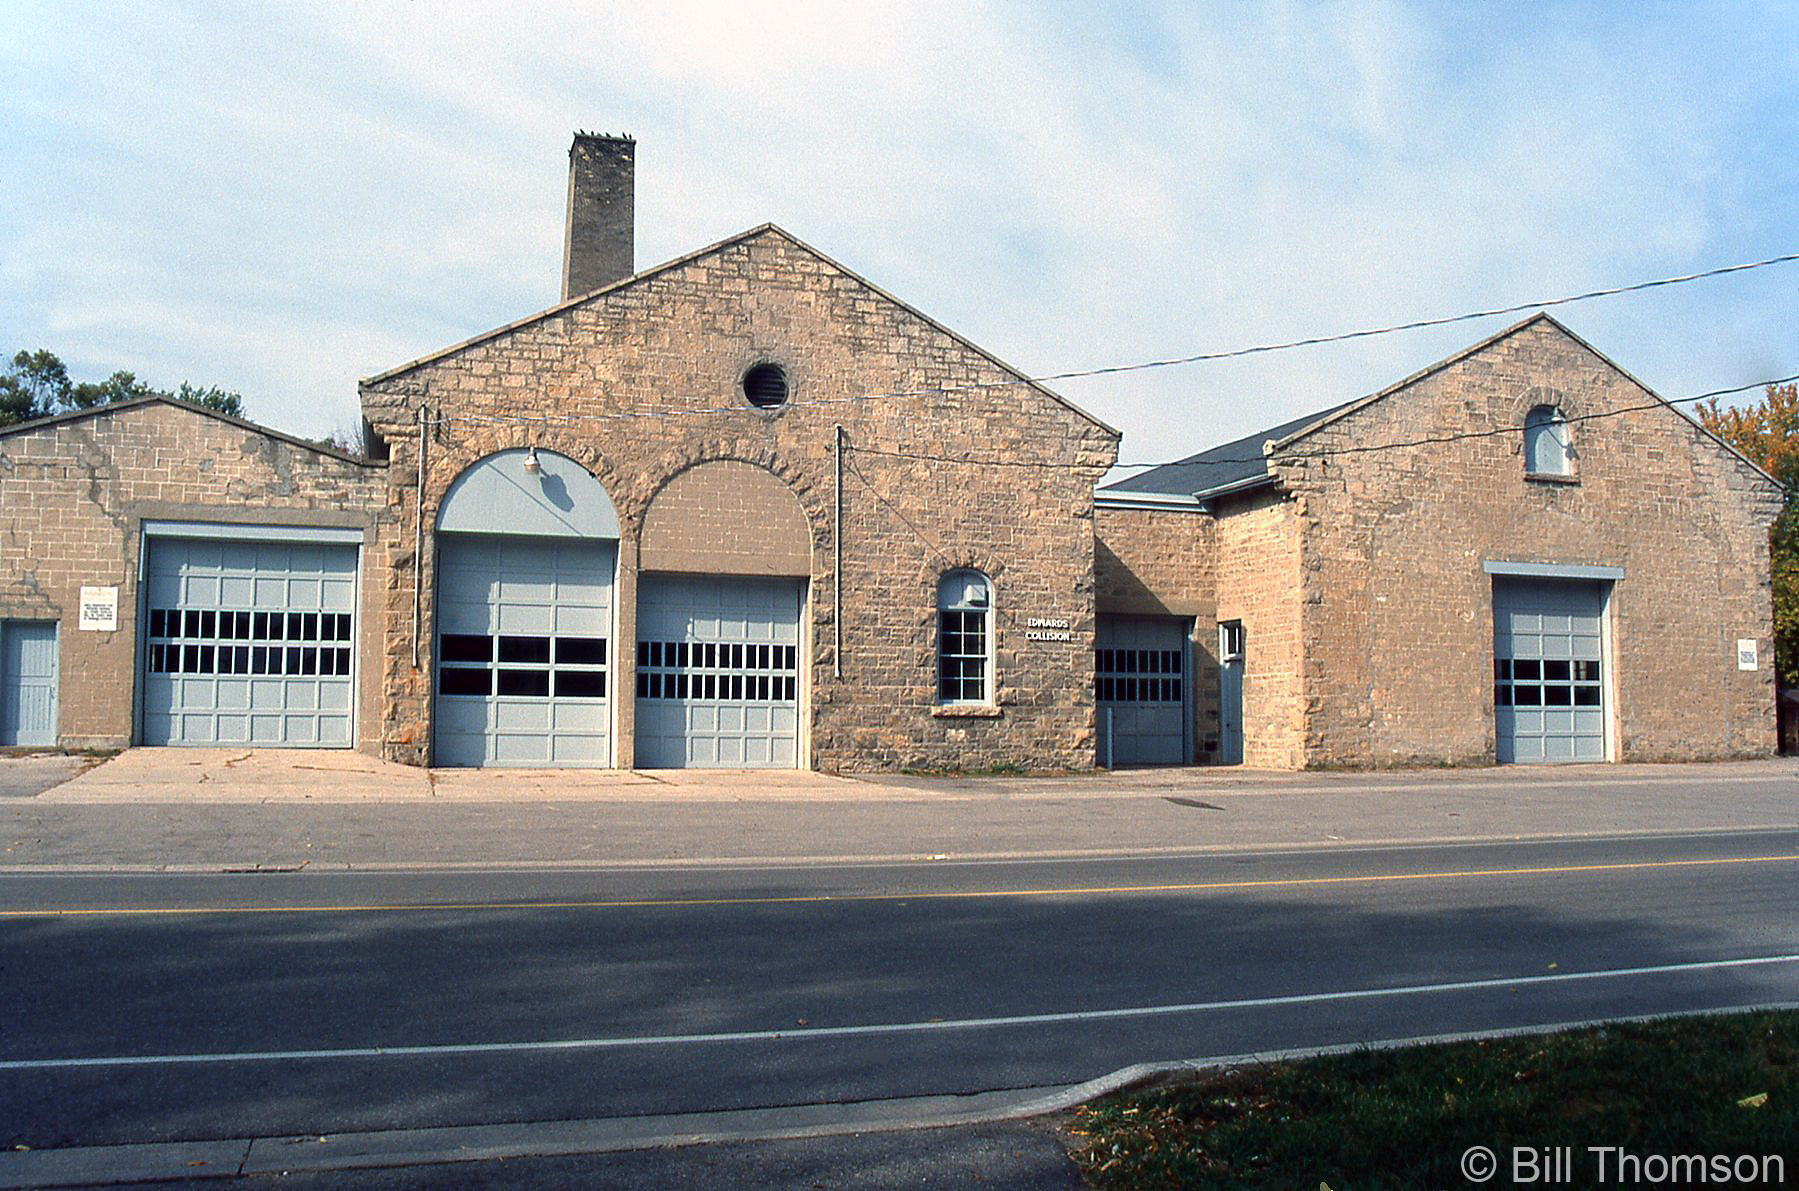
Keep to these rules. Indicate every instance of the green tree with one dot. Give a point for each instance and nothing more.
(37, 385)
(1768, 433)
(212, 397)
(120, 386)
(34, 386)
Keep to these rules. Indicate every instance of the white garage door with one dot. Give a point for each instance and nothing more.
(27, 682)
(1548, 670)
(249, 643)
(523, 651)
(718, 673)
(1140, 689)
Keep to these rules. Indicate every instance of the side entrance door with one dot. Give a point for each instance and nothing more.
(27, 682)
(1230, 692)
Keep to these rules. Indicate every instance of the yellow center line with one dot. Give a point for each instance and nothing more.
(926, 895)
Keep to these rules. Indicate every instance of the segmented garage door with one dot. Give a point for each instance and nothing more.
(1548, 670)
(1140, 689)
(718, 673)
(524, 627)
(249, 643)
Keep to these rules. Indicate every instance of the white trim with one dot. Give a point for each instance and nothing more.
(1153, 501)
(1551, 570)
(249, 531)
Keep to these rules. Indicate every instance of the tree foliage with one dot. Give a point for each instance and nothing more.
(1768, 433)
(36, 385)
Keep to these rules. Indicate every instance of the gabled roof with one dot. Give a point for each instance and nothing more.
(1561, 328)
(1234, 465)
(114, 407)
(730, 242)
(1243, 464)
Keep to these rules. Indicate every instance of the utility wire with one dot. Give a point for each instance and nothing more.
(1419, 324)
(1358, 449)
(1116, 369)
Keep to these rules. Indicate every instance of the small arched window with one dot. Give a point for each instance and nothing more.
(964, 638)
(1547, 443)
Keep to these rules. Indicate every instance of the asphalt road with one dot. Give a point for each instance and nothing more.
(151, 1007)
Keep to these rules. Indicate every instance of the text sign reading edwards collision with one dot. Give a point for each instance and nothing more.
(1047, 628)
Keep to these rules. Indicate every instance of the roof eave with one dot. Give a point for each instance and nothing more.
(115, 407)
(719, 246)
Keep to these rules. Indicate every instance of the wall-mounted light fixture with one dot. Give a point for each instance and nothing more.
(532, 465)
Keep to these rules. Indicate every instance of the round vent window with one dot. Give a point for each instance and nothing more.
(766, 386)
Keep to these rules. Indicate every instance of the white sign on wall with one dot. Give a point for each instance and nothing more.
(1746, 656)
(99, 609)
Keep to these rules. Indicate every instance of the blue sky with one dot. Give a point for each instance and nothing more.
(280, 198)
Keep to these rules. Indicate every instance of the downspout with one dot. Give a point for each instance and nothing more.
(837, 566)
(418, 543)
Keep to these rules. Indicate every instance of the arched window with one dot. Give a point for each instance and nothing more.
(964, 638)
(1547, 442)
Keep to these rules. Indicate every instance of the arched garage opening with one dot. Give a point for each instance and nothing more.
(725, 555)
(527, 547)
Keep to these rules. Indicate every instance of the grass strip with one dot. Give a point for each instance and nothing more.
(1652, 1092)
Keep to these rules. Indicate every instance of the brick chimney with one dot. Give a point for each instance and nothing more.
(597, 248)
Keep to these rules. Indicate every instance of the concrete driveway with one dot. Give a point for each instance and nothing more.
(27, 775)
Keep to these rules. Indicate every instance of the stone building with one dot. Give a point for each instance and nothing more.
(662, 523)
(1517, 554)
(744, 508)
(171, 574)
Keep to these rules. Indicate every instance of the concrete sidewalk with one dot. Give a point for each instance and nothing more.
(185, 809)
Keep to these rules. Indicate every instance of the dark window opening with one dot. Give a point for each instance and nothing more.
(766, 386)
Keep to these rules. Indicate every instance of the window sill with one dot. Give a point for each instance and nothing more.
(1545, 477)
(977, 711)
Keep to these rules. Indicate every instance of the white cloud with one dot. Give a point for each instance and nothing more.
(285, 198)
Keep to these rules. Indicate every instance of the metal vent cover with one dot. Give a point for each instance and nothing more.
(765, 385)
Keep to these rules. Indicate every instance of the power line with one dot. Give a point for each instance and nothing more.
(1358, 449)
(1116, 369)
(1419, 324)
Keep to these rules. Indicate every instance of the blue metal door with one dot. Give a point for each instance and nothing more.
(249, 643)
(718, 672)
(1140, 689)
(27, 682)
(1230, 692)
(1548, 670)
(523, 651)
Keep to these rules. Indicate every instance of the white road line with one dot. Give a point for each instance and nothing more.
(913, 1027)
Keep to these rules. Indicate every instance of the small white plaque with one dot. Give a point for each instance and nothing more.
(1746, 654)
(99, 609)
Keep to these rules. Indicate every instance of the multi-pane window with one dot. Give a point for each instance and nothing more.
(726, 671)
(1546, 682)
(964, 638)
(483, 664)
(1138, 675)
(227, 641)
(1546, 442)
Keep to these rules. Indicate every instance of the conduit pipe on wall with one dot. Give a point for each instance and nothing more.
(837, 567)
(418, 543)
